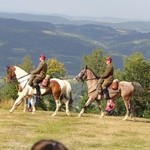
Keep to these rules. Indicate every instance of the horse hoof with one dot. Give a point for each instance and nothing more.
(68, 114)
(10, 111)
(102, 115)
(133, 119)
(53, 115)
(33, 113)
(79, 116)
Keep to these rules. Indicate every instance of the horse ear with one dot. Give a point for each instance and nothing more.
(86, 67)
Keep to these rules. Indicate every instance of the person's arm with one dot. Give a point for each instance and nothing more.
(107, 72)
(37, 70)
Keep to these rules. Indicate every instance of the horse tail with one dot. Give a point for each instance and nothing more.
(138, 89)
(68, 93)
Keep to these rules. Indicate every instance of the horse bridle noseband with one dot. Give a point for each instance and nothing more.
(85, 79)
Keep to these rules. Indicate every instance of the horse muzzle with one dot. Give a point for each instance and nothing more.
(77, 78)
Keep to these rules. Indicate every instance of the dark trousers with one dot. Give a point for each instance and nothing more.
(34, 81)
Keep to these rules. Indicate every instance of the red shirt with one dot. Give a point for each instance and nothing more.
(110, 105)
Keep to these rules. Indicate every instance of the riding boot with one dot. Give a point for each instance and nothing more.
(99, 86)
(38, 92)
(106, 94)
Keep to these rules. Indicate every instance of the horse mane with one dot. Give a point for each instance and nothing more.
(93, 73)
(18, 68)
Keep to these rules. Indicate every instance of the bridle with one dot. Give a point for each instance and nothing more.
(83, 77)
(10, 74)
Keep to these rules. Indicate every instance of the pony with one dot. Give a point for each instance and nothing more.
(125, 90)
(60, 89)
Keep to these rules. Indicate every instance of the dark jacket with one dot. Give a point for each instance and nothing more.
(108, 74)
(41, 69)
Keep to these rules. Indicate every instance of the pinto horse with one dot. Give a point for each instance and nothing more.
(60, 89)
(125, 90)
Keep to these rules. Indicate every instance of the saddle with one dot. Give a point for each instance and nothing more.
(114, 85)
(45, 81)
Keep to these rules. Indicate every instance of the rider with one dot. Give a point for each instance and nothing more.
(106, 78)
(38, 75)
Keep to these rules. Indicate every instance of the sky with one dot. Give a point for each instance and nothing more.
(128, 9)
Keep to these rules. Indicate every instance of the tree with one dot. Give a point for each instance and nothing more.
(55, 68)
(135, 68)
(26, 64)
(94, 61)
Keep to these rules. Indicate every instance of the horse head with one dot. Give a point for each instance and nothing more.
(82, 75)
(10, 73)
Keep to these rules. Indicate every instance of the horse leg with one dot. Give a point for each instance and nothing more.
(16, 103)
(58, 104)
(99, 105)
(66, 101)
(100, 108)
(25, 105)
(33, 105)
(85, 106)
(127, 105)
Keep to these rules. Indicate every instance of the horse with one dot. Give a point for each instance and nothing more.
(59, 89)
(125, 90)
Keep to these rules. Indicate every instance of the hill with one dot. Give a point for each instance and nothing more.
(66, 42)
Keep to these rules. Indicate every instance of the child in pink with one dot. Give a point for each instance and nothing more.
(110, 107)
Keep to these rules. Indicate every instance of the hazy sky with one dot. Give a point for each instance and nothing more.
(131, 9)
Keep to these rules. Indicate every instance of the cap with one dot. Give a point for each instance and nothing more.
(42, 57)
(109, 59)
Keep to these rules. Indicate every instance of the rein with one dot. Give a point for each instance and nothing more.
(91, 86)
(23, 76)
(91, 79)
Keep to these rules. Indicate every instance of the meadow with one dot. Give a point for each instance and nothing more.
(19, 131)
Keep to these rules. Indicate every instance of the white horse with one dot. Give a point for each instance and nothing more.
(60, 89)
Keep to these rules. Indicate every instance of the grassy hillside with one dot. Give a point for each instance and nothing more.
(20, 130)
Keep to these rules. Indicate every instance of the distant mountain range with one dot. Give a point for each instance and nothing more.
(69, 39)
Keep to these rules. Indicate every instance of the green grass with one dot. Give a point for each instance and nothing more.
(18, 131)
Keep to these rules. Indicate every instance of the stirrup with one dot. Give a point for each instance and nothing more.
(99, 96)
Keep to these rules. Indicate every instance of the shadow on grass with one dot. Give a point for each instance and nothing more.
(143, 121)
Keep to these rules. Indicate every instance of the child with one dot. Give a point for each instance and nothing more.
(29, 103)
(110, 107)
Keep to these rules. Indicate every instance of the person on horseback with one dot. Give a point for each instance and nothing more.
(106, 79)
(38, 75)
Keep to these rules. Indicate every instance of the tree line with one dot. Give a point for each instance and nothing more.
(135, 68)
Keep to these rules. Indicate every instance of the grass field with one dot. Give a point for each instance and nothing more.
(18, 131)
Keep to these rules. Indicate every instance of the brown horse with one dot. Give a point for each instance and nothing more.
(125, 90)
(60, 89)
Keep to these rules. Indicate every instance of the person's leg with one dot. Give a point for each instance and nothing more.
(31, 80)
(36, 81)
(105, 90)
(99, 88)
